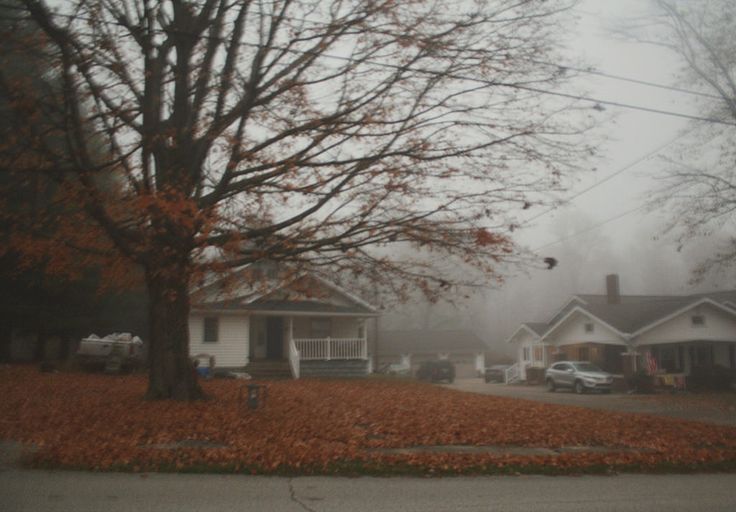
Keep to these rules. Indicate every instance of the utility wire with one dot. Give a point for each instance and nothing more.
(596, 101)
(610, 176)
(591, 228)
(561, 67)
(593, 71)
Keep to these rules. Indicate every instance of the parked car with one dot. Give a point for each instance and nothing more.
(435, 371)
(581, 376)
(496, 373)
(395, 369)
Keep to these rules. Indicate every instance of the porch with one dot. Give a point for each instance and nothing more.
(607, 356)
(315, 344)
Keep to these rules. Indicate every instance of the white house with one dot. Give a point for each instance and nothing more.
(297, 324)
(681, 332)
(530, 351)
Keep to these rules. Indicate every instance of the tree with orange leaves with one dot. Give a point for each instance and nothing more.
(311, 132)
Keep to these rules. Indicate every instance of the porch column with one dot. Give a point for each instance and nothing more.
(291, 329)
(364, 348)
(328, 351)
(544, 354)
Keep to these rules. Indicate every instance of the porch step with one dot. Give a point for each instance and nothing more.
(269, 370)
(348, 368)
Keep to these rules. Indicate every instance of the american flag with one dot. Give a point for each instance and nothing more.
(651, 363)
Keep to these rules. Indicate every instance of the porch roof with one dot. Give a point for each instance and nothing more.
(303, 306)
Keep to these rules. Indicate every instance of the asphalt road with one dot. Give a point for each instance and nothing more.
(24, 490)
(619, 402)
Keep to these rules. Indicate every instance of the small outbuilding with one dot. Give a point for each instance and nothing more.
(412, 347)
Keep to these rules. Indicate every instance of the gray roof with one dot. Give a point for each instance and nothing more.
(243, 292)
(417, 341)
(538, 327)
(285, 306)
(637, 311)
(633, 312)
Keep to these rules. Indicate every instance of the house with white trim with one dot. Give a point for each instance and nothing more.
(280, 325)
(681, 332)
(530, 351)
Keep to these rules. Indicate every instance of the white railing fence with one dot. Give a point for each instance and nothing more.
(332, 348)
(294, 360)
(511, 373)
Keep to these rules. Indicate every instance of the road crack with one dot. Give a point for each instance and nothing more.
(292, 495)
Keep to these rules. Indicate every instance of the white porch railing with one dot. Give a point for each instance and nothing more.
(332, 348)
(294, 360)
(511, 373)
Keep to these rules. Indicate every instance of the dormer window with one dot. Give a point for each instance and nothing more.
(590, 327)
(698, 320)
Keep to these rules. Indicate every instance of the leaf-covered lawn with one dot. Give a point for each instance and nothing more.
(313, 426)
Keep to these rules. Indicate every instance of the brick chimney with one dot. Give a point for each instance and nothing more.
(613, 291)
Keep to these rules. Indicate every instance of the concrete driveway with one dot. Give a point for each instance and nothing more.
(709, 407)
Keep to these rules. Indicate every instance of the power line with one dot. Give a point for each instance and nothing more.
(611, 176)
(590, 71)
(561, 67)
(589, 229)
(596, 101)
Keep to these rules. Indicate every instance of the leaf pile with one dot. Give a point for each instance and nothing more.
(324, 426)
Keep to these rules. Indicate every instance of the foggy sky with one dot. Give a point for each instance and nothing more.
(634, 245)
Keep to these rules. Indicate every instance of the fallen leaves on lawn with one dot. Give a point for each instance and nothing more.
(102, 422)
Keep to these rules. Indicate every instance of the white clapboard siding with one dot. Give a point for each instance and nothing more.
(230, 349)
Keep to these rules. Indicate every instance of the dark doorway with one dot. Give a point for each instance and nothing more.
(274, 337)
(613, 359)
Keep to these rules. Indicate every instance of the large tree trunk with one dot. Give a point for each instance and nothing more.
(171, 373)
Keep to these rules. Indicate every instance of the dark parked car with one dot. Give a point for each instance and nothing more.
(496, 373)
(581, 376)
(436, 371)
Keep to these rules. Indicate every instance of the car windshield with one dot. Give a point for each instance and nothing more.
(586, 367)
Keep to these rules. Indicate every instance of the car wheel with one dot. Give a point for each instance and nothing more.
(550, 385)
(579, 388)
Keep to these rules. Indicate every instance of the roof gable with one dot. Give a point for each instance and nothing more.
(303, 293)
(570, 316)
(533, 329)
(682, 310)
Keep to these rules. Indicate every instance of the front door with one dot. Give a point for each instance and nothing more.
(274, 337)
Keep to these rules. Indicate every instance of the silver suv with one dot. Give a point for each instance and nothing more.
(581, 376)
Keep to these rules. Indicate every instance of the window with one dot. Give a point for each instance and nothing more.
(698, 320)
(589, 327)
(320, 328)
(526, 354)
(668, 359)
(211, 328)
